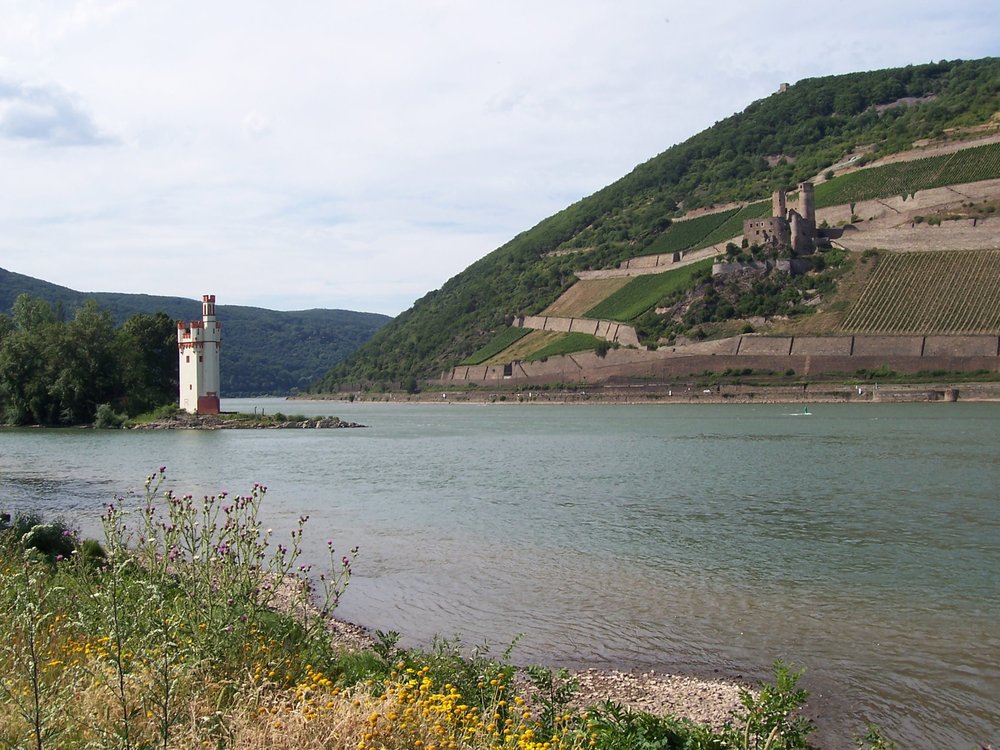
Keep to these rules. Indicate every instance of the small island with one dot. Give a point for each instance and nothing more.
(241, 421)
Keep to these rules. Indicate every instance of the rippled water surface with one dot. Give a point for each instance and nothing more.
(861, 542)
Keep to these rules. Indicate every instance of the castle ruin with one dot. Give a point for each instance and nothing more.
(786, 228)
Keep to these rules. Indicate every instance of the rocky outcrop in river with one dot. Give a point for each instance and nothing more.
(242, 422)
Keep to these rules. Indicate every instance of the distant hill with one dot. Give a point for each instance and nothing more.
(817, 126)
(264, 351)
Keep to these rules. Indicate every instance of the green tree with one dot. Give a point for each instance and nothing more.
(147, 346)
(84, 361)
(56, 372)
(25, 354)
(31, 314)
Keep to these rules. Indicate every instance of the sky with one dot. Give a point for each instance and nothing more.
(318, 153)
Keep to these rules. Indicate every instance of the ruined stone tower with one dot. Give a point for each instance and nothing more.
(786, 227)
(803, 223)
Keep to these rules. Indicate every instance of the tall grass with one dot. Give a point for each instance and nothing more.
(176, 611)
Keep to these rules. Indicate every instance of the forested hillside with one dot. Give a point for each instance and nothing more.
(264, 351)
(774, 143)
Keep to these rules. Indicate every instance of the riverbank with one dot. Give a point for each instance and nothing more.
(661, 393)
(277, 669)
(712, 702)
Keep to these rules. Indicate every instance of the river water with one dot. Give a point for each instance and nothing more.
(860, 542)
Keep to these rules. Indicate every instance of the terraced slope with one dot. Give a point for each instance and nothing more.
(583, 295)
(689, 233)
(930, 292)
(644, 292)
(733, 226)
(905, 178)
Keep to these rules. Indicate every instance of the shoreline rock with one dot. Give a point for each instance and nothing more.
(242, 422)
(711, 702)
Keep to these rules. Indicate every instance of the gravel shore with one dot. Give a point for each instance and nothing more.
(710, 702)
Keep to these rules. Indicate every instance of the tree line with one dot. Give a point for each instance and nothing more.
(57, 370)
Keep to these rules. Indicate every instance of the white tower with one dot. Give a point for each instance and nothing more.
(198, 348)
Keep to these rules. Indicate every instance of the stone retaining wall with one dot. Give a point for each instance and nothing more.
(645, 265)
(888, 346)
(609, 330)
(766, 345)
(960, 346)
(834, 346)
(805, 355)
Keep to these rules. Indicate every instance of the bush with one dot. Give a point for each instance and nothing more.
(107, 418)
(54, 540)
(771, 718)
(612, 726)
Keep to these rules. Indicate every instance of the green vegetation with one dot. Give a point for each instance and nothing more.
(567, 343)
(644, 292)
(907, 177)
(690, 233)
(264, 351)
(707, 304)
(815, 124)
(930, 292)
(496, 345)
(706, 230)
(190, 627)
(55, 372)
(733, 226)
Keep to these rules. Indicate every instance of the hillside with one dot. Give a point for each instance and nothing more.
(818, 127)
(265, 351)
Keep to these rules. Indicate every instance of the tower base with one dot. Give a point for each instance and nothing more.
(208, 404)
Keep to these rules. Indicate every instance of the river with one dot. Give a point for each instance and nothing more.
(860, 542)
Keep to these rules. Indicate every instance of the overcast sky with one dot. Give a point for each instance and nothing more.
(357, 155)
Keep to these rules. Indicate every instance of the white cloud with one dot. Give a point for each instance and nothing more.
(47, 114)
(358, 155)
